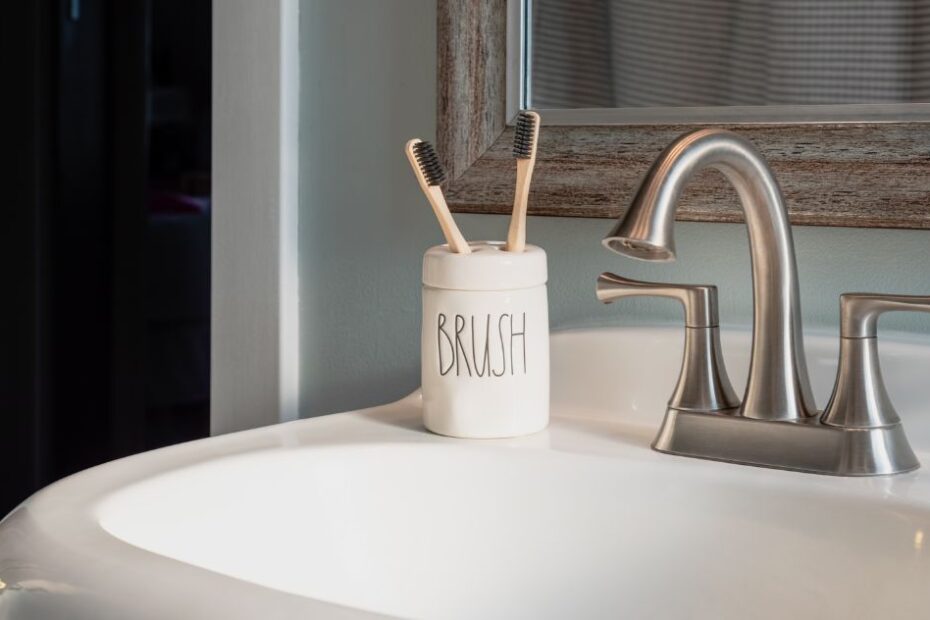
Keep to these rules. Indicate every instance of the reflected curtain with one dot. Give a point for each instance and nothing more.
(629, 53)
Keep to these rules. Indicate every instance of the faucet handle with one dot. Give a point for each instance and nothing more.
(699, 300)
(859, 312)
(703, 383)
(859, 398)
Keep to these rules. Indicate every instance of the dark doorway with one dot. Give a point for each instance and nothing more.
(106, 328)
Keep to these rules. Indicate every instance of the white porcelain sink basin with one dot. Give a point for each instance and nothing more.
(365, 514)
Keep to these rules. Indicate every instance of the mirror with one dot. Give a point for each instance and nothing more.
(835, 94)
(772, 59)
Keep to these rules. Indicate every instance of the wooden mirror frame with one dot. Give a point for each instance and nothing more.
(870, 174)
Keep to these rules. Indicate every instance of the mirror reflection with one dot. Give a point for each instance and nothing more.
(695, 53)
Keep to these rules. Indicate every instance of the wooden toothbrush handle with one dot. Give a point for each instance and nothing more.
(516, 235)
(450, 230)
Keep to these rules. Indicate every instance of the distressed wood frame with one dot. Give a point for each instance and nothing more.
(874, 174)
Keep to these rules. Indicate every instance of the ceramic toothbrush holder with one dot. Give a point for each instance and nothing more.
(485, 341)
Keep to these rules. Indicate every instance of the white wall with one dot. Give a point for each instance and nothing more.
(368, 84)
(254, 354)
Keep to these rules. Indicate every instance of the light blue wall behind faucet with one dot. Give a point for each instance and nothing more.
(368, 83)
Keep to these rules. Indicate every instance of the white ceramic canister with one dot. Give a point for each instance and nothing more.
(485, 341)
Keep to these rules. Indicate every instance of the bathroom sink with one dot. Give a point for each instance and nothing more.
(365, 514)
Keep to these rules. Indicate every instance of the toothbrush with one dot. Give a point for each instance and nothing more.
(525, 138)
(430, 174)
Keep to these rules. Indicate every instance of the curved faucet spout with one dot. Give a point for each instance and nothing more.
(778, 387)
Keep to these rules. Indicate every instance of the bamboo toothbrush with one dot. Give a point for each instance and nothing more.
(525, 138)
(430, 174)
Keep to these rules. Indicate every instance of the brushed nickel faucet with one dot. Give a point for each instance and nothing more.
(777, 424)
(778, 387)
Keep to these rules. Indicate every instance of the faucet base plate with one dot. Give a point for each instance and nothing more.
(804, 445)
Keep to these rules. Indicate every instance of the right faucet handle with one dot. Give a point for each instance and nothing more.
(859, 398)
(859, 312)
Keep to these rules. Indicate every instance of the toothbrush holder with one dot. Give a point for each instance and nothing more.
(485, 341)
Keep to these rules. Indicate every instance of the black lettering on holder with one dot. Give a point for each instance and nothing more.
(486, 358)
(522, 336)
(453, 353)
(440, 334)
(459, 328)
(500, 332)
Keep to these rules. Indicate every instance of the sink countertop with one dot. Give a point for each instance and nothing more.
(365, 514)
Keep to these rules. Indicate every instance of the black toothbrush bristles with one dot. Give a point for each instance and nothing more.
(524, 135)
(429, 164)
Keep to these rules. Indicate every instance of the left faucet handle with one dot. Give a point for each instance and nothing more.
(703, 384)
(699, 300)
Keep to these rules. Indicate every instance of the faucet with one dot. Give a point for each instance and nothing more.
(778, 387)
(777, 424)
